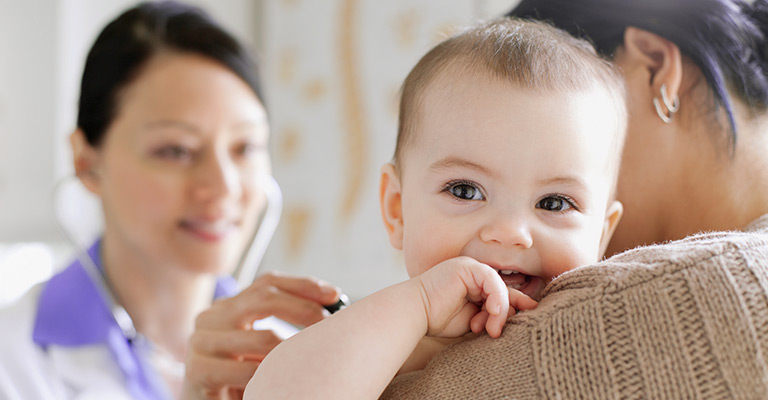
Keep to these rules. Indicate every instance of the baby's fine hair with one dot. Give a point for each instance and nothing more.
(530, 55)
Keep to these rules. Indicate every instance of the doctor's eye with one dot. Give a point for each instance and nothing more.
(557, 203)
(249, 149)
(246, 149)
(464, 190)
(174, 153)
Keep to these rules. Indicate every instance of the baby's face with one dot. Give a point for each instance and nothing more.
(517, 179)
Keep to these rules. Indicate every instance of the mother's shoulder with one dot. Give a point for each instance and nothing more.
(649, 320)
(703, 253)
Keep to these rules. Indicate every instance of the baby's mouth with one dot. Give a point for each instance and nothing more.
(528, 284)
(514, 279)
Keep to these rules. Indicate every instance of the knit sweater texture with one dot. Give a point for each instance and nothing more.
(682, 320)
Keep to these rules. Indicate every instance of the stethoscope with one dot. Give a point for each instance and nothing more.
(244, 273)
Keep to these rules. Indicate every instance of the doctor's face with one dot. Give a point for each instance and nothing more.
(181, 166)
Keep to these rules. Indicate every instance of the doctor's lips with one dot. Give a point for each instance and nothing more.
(209, 230)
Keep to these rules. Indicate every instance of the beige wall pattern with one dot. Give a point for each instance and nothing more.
(354, 115)
(332, 70)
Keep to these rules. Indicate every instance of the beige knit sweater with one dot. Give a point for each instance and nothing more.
(683, 320)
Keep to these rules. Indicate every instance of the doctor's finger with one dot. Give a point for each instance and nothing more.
(210, 374)
(309, 288)
(235, 344)
(240, 311)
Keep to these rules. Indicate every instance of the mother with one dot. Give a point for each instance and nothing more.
(697, 76)
(685, 316)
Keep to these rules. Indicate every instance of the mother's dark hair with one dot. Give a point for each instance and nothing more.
(129, 41)
(726, 39)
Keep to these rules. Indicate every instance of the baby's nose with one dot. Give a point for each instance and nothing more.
(511, 231)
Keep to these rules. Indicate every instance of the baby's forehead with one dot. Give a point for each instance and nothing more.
(456, 81)
(556, 117)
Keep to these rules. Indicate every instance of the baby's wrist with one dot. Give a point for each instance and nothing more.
(418, 304)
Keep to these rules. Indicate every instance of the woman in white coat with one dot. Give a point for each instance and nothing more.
(172, 137)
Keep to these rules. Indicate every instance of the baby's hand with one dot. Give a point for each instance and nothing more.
(462, 294)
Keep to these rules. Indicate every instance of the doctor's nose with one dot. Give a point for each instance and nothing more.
(508, 231)
(217, 177)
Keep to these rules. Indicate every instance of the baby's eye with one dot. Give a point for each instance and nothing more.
(556, 203)
(465, 191)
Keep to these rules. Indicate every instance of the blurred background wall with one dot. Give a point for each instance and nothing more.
(332, 70)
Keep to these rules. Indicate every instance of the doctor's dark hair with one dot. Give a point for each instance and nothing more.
(127, 43)
(726, 39)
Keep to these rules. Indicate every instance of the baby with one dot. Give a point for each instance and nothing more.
(503, 178)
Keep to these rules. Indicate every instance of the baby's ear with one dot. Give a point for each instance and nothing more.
(391, 205)
(612, 217)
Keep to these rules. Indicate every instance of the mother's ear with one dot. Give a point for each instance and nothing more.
(390, 197)
(86, 159)
(649, 60)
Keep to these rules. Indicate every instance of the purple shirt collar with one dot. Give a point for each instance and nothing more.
(71, 312)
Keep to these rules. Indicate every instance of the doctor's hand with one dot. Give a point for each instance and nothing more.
(224, 350)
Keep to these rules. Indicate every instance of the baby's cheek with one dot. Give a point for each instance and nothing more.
(415, 263)
(572, 255)
(431, 238)
(422, 255)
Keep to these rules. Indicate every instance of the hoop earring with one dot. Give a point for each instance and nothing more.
(672, 106)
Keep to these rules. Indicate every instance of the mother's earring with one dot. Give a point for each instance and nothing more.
(672, 106)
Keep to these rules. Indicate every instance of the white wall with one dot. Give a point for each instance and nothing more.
(27, 109)
(332, 69)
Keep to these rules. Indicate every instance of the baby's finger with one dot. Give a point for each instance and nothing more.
(512, 311)
(520, 300)
(482, 281)
(495, 324)
(497, 303)
(477, 323)
(497, 306)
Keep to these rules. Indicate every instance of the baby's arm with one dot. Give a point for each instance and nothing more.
(356, 352)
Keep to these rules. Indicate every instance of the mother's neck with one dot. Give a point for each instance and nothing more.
(727, 192)
(163, 301)
(749, 175)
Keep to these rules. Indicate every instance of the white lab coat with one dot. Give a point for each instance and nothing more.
(29, 372)
(68, 346)
(88, 368)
